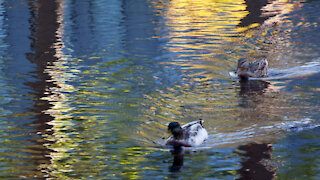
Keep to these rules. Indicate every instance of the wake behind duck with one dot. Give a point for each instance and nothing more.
(307, 69)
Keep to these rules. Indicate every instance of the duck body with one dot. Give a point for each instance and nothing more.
(191, 134)
(255, 69)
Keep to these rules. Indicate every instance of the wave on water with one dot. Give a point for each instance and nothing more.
(249, 134)
(295, 72)
(256, 132)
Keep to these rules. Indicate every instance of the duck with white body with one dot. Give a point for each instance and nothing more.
(188, 135)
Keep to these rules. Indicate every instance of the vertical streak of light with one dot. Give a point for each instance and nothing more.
(60, 73)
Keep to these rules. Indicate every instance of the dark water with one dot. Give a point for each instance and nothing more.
(88, 87)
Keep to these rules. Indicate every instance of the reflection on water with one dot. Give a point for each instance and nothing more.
(257, 163)
(178, 156)
(88, 87)
(250, 89)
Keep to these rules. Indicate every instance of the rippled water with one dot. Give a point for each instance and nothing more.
(88, 88)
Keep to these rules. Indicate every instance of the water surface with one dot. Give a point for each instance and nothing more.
(88, 87)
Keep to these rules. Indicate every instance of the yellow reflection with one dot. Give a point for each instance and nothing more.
(196, 30)
(201, 24)
(134, 156)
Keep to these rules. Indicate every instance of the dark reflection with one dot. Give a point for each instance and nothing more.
(255, 12)
(43, 34)
(178, 155)
(251, 88)
(256, 162)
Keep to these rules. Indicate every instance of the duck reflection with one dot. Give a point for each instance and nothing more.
(178, 156)
(251, 88)
(256, 164)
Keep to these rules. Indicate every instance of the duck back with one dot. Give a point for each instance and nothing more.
(259, 68)
(194, 133)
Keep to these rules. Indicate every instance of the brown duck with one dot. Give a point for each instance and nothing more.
(255, 69)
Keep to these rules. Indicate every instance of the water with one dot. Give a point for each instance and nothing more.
(88, 87)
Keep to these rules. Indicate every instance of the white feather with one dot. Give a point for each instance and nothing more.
(193, 133)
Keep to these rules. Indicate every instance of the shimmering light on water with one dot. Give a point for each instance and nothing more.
(88, 88)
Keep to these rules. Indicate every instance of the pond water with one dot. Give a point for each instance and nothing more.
(88, 88)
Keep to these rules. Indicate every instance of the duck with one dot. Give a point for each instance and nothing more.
(255, 69)
(188, 135)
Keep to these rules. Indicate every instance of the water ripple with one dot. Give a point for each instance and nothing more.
(88, 88)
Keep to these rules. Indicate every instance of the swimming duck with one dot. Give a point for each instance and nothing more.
(256, 69)
(191, 134)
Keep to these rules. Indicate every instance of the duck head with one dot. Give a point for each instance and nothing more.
(243, 64)
(175, 129)
(242, 69)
